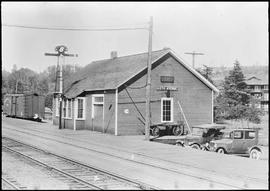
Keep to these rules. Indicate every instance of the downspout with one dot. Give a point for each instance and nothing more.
(116, 112)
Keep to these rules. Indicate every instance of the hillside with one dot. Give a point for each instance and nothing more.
(261, 72)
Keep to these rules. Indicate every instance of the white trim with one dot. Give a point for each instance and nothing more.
(212, 106)
(56, 107)
(141, 70)
(194, 72)
(84, 106)
(74, 114)
(161, 109)
(103, 110)
(96, 103)
(116, 112)
(68, 101)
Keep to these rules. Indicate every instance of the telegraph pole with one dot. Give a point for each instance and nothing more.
(193, 57)
(148, 85)
(61, 52)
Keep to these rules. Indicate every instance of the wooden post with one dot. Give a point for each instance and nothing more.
(60, 53)
(193, 57)
(148, 85)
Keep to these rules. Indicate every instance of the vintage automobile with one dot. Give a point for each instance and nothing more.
(201, 135)
(242, 142)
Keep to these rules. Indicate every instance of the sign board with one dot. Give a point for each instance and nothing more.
(167, 79)
(166, 88)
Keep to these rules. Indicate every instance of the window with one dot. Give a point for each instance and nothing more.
(69, 109)
(56, 107)
(249, 135)
(80, 110)
(238, 135)
(265, 96)
(64, 108)
(166, 109)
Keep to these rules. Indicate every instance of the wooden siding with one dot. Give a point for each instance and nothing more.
(194, 96)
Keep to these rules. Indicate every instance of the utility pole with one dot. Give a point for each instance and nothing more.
(148, 85)
(193, 57)
(61, 52)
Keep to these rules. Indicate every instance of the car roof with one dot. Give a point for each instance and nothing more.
(209, 126)
(241, 129)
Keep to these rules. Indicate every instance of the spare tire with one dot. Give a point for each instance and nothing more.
(156, 131)
(178, 130)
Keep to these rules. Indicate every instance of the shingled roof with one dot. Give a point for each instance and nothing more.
(257, 80)
(111, 73)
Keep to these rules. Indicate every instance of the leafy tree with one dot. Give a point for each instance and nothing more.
(234, 101)
(206, 72)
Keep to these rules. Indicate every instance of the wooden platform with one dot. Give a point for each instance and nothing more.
(162, 165)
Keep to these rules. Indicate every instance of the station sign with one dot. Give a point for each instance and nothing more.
(167, 79)
(166, 88)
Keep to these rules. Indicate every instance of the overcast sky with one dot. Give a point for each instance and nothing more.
(222, 31)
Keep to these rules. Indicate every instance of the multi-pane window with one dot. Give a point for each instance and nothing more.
(166, 109)
(64, 107)
(80, 108)
(69, 108)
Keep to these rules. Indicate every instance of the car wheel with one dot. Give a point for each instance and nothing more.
(177, 130)
(255, 154)
(156, 131)
(195, 146)
(221, 151)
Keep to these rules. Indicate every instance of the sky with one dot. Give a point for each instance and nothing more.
(223, 32)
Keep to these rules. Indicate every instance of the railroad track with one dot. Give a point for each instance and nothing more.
(9, 183)
(79, 176)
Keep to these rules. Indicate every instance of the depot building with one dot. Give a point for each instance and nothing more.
(109, 95)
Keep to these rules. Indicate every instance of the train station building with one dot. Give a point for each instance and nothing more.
(109, 95)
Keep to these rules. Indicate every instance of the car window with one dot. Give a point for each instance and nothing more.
(197, 131)
(238, 135)
(250, 134)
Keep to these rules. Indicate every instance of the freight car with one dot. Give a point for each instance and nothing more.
(25, 106)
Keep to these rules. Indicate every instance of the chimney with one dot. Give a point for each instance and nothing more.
(113, 54)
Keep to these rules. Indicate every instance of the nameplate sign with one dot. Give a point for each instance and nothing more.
(166, 88)
(167, 79)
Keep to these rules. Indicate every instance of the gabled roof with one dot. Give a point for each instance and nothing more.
(109, 74)
(257, 81)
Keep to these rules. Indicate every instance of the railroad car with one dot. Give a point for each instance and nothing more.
(26, 106)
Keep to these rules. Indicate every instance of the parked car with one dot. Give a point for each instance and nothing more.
(238, 141)
(201, 135)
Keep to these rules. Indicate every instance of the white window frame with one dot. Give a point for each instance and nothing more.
(64, 108)
(161, 109)
(57, 107)
(67, 109)
(77, 108)
(96, 103)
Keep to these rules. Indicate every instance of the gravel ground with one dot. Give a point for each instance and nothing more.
(30, 176)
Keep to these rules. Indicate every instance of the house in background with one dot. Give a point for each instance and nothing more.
(259, 89)
(109, 95)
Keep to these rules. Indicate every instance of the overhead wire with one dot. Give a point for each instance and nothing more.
(74, 29)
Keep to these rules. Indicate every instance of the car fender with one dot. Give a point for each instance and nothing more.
(258, 147)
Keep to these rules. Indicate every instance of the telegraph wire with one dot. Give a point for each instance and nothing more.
(75, 29)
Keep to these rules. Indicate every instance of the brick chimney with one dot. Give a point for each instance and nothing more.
(113, 54)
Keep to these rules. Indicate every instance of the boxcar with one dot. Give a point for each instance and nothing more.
(27, 106)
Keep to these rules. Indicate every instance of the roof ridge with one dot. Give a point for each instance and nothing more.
(167, 49)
